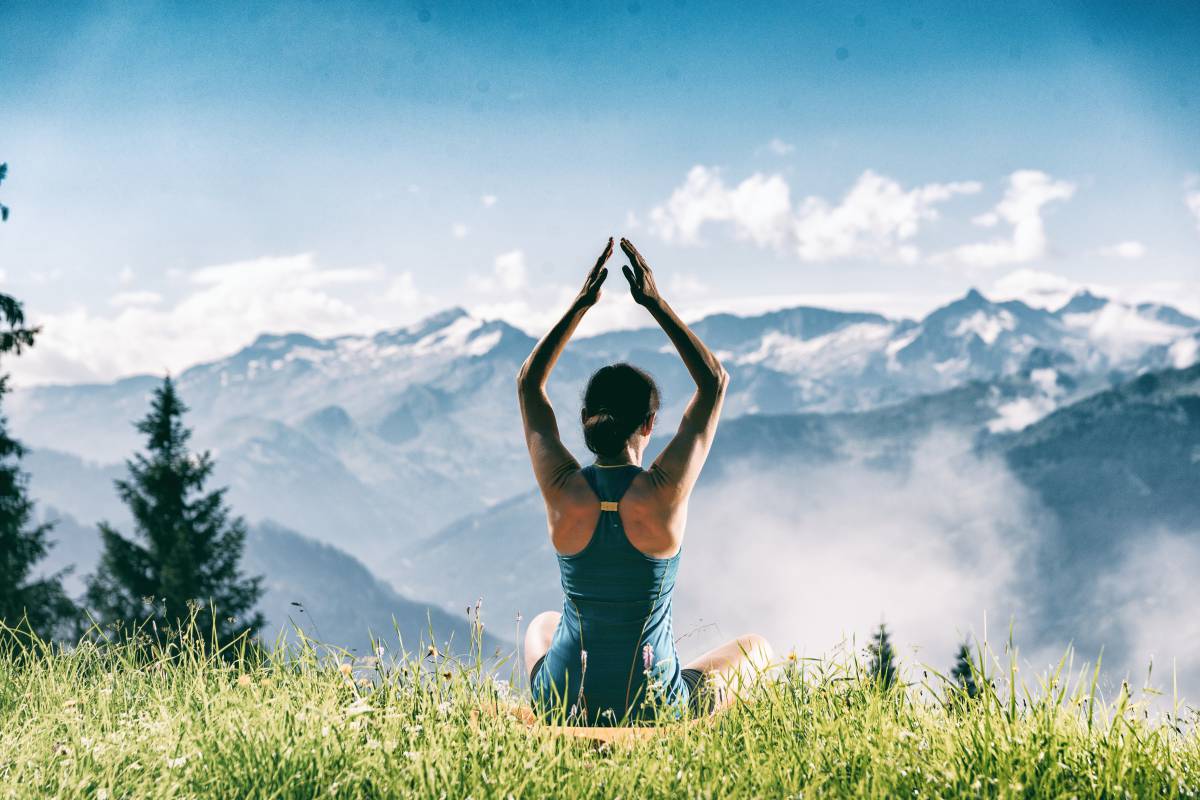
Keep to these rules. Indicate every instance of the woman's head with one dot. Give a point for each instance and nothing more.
(620, 401)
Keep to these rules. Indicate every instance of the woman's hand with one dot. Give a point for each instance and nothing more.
(589, 295)
(641, 280)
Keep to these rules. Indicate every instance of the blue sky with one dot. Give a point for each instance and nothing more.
(183, 176)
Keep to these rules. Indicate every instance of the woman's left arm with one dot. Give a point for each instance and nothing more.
(553, 464)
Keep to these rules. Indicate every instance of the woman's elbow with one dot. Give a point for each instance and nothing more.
(526, 380)
(718, 383)
(722, 379)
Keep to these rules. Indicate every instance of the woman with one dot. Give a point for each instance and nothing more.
(609, 656)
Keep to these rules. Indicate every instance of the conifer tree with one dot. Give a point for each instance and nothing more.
(14, 335)
(3, 208)
(963, 673)
(183, 560)
(882, 668)
(41, 604)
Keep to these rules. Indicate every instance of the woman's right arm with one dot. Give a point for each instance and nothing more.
(678, 466)
(553, 464)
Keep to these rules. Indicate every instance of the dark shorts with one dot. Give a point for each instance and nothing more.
(702, 699)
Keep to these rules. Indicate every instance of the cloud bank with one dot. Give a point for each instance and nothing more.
(877, 217)
(227, 306)
(1029, 191)
(810, 556)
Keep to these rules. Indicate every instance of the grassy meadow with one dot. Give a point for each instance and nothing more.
(143, 719)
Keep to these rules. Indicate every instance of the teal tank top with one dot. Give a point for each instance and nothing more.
(616, 620)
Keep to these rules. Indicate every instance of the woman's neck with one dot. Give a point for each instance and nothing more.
(607, 463)
(629, 457)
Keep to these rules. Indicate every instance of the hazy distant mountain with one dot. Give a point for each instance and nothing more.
(1117, 470)
(376, 442)
(341, 602)
(326, 593)
(502, 554)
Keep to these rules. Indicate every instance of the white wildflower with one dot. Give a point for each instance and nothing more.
(359, 706)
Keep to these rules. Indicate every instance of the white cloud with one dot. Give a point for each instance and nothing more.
(510, 269)
(125, 276)
(1129, 250)
(458, 230)
(937, 546)
(143, 298)
(759, 208)
(402, 291)
(1122, 333)
(1191, 199)
(508, 274)
(227, 307)
(488, 200)
(3, 276)
(779, 147)
(1184, 352)
(685, 284)
(1047, 290)
(1021, 207)
(1019, 414)
(1151, 592)
(1034, 288)
(877, 218)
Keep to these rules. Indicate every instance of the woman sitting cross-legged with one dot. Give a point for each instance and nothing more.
(609, 656)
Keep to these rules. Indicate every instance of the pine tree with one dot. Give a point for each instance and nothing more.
(40, 604)
(185, 559)
(882, 668)
(963, 673)
(3, 208)
(14, 335)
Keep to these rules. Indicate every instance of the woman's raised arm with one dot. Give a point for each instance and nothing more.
(678, 466)
(553, 464)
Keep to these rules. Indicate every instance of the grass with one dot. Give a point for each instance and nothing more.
(149, 720)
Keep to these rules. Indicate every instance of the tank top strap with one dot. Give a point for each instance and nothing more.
(610, 483)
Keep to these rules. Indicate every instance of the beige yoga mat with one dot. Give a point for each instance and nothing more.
(524, 715)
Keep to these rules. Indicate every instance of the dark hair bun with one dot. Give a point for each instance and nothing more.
(604, 434)
(618, 400)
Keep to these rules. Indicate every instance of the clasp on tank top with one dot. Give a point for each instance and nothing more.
(608, 505)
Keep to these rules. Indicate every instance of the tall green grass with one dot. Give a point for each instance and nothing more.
(173, 718)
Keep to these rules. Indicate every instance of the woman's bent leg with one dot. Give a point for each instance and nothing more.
(735, 666)
(538, 636)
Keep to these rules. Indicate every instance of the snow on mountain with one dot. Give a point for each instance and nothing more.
(372, 441)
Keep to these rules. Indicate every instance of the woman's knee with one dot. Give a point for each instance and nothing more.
(544, 620)
(541, 628)
(538, 636)
(756, 647)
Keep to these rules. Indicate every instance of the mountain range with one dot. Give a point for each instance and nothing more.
(359, 440)
(403, 448)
